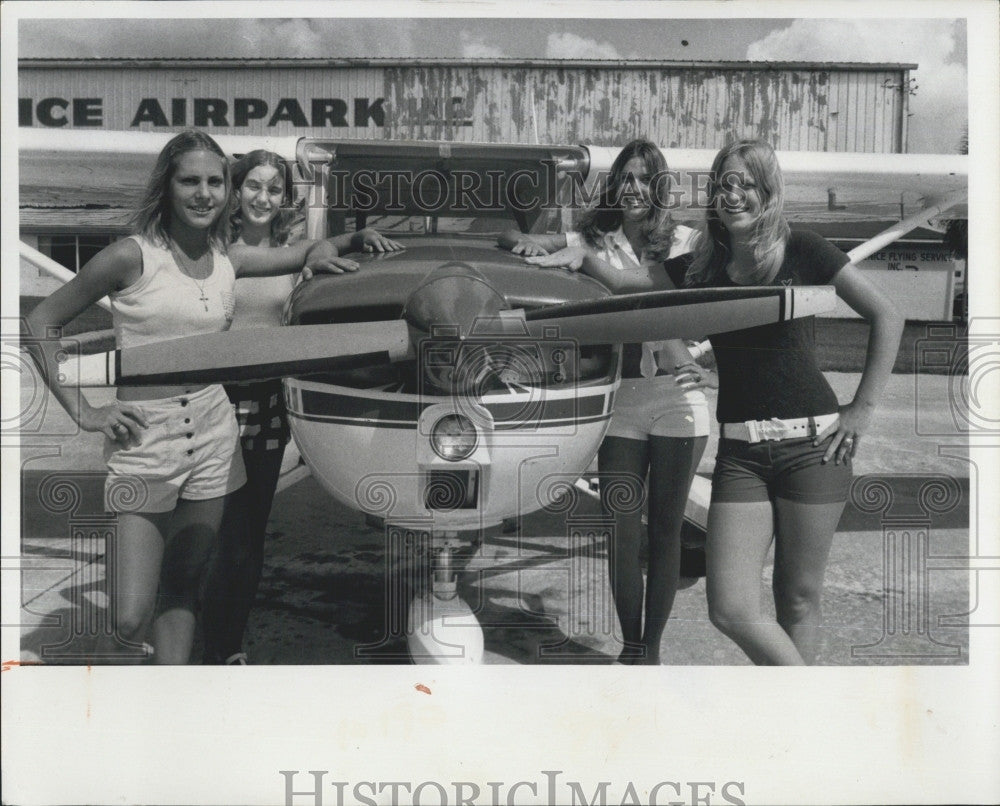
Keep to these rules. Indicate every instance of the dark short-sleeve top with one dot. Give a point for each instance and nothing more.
(771, 371)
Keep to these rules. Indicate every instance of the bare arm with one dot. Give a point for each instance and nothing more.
(530, 245)
(622, 281)
(368, 240)
(112, 269)
(883, 343)
(263, 261)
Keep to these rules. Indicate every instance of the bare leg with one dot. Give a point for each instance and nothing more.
(739, 535)
(622, 463)
(802, 547)
(138, 551)
(672, 464)
(193, 532)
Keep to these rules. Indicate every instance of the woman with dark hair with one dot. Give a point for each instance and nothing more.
(170, 450)
(660, 424)
(263, 215)
(785, 448)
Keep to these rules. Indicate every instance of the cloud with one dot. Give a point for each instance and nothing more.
(474, 46)
(216, 38)
(939, 107)
(571, 46)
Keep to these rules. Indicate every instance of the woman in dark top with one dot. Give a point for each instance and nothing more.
(785, 447)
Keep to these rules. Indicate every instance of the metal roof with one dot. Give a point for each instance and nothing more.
(621, 64)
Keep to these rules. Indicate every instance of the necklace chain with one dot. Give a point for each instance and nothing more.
(203, 298)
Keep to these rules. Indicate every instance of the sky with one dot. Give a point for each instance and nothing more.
(938, 105)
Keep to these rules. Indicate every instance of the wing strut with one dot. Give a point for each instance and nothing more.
(53, 269)
(900, 228)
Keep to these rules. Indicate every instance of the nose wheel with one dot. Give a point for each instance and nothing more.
(441, 627)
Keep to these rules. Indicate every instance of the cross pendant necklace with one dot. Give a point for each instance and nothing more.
(203, 298)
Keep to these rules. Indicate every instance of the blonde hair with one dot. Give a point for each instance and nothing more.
(152, 218)
(714, 248)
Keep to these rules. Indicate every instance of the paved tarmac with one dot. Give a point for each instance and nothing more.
(542, 597)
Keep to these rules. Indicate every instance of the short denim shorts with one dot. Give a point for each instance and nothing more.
(791, 469)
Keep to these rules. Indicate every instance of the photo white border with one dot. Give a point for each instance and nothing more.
(819, 735)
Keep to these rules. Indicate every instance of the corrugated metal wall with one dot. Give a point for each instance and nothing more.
(800, 109)
(796, 107)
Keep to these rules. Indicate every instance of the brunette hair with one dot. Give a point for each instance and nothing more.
(152, 218)
(288, 216)
(713, 249)
(606, 215)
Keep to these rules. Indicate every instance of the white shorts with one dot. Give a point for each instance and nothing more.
(658, 407)
(189, 450)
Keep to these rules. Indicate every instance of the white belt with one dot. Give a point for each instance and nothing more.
(761, 430)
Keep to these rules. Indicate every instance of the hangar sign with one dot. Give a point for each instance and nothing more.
(359, 112)
(919, 278)
(902, 259)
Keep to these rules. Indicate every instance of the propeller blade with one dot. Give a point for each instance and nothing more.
(242, 355)
(684, 314)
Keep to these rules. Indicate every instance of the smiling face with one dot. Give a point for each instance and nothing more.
(739, 200)
(261, 196)
(635, 190)
(197, 190)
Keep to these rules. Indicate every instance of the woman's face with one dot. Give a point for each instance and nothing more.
(198, 189)
(634, 193)
(738, 201)
(261, 195)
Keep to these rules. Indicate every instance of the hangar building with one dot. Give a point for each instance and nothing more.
(795, 106)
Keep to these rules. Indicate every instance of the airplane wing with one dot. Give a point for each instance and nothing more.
(71, 168)
(823, 186)
(105, 168)
(76, 166)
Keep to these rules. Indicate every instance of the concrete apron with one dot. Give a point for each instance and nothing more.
(541, 597)
(327, 597)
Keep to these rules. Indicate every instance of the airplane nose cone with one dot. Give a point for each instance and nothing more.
(454, 295)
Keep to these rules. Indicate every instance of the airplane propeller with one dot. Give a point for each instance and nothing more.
(455, 299)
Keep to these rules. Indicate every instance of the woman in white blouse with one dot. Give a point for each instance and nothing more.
(660, 423)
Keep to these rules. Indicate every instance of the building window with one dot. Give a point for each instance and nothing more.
(73, 251)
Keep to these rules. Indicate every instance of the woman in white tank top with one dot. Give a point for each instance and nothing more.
(171, 450)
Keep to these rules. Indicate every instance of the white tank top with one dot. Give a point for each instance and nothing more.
(166, 303)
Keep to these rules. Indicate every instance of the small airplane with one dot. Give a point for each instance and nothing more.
(449, 387)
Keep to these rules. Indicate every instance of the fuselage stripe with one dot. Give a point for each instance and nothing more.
(355, 407)
(527, 425)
